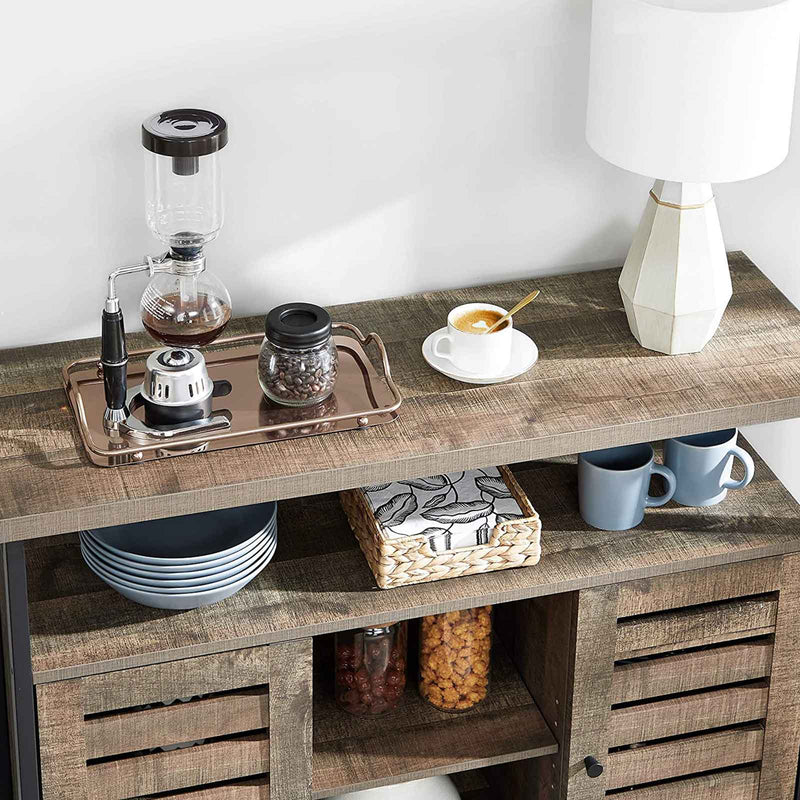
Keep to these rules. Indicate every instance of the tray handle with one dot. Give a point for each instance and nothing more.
(387, 370)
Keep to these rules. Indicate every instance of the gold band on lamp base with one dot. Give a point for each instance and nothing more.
(675, 284)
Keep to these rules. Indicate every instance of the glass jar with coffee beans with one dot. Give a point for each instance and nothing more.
(298, 361)
(371, 668)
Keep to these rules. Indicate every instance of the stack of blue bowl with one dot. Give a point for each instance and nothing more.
(184, 562)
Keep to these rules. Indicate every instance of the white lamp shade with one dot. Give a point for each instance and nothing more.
(692, 90)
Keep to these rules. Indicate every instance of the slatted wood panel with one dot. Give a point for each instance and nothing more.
(671, 759)
(737, 784)
(162, 683)
(688, 671)
(113, 755)
(665, 592)
(177, 769)
(319, 581)
(689, 713)
(692, 627)
(254, 789)
(181, 722)
(592, 388)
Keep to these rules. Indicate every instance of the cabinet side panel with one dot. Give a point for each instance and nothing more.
(782, 736)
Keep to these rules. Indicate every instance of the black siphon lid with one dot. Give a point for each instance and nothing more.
(184, 132)
(298, 325)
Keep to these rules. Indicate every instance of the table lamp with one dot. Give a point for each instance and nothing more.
(689, 92)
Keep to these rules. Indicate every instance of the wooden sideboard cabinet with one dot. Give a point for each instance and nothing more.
(654, 664)
(675, 687)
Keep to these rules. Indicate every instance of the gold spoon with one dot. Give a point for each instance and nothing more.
(522, 303)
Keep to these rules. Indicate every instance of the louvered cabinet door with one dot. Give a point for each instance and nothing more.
(232, 726)
(704, 689)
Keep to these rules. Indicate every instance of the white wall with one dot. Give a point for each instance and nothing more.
(376, 148)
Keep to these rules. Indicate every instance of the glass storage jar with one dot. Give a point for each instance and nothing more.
(298, 361)
(455, 658)
(371, 668)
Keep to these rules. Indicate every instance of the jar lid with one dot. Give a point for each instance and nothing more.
(298, 325)
(184, 132)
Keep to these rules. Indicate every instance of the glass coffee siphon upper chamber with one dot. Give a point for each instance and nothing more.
(184, 304)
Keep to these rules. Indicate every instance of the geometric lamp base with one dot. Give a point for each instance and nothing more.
(676, 284)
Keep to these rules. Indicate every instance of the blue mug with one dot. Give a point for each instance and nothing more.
(702, 464)
(613, 486)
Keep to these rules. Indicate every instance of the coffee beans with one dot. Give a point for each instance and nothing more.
(371, 669)
(297, 377)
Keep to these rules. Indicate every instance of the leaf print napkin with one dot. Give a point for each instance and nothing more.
(456, 510)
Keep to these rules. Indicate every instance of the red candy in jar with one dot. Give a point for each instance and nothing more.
(371, 668)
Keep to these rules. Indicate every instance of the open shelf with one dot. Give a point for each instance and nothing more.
(415, 740)
(319, 581)
(594, 386)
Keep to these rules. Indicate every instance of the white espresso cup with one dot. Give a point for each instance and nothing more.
(478, 353)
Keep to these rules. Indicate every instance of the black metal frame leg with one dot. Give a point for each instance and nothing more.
(19, 759)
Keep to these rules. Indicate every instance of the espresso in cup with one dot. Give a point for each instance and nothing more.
(466, 344)
(479, 320)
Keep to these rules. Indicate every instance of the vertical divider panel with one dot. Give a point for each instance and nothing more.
(291, 720)
(588, 711)
(782, 735)
(563, 645)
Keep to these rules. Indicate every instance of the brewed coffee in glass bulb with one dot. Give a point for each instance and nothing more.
(184, 305)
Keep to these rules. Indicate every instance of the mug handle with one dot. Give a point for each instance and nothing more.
(672, 484)
(444, 337)
(749, 468)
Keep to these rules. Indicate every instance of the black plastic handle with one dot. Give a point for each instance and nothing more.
(114, 358)
(594, 769)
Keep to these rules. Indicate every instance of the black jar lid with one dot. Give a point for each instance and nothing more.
(298, 325)
(184, 132)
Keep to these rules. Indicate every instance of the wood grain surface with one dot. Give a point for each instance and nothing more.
(593, 387)
(62, 750)
(319, 581)
(416, 740)
(587, 715)
(250, 789)
(692, 627)
(782, 737)
(735, 784)
(291, 715)
(674, 716)
(651, 595)
(677, 757)
(691, 670)
(178, 769)
(207, 718)
(163, 683)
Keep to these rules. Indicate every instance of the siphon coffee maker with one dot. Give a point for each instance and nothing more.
(182, 401)
(184, 306)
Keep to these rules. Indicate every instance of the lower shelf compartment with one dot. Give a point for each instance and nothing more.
(415, 740)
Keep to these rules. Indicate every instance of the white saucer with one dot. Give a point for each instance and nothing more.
(524, 354)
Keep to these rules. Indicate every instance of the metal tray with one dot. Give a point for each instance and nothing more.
(360, 400)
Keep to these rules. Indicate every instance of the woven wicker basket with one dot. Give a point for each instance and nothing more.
(397, 562)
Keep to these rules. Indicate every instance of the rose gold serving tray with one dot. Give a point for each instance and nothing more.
(361, 399)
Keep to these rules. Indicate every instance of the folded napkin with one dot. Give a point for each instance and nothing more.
(456, 510)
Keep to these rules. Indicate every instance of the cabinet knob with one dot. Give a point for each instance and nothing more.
(594, 769)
